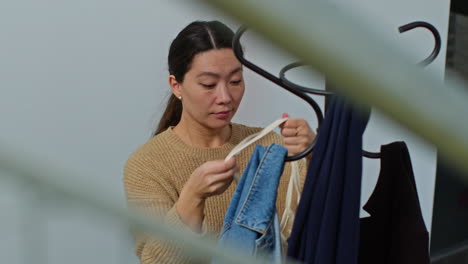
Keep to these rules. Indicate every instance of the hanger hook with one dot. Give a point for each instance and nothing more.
(434, 32)
(318, 112)
(425, 62)
(296, 86)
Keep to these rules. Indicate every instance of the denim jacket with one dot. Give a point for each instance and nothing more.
(251, 223)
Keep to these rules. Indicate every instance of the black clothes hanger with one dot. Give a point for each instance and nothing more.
(318, 112)
(425, 62)
(290, 86)
(302, 91)
(299, 87)
(434, 32)
(401, 29)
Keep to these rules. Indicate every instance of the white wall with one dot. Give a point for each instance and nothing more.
(84, 82)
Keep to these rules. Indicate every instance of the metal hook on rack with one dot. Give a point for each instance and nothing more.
(367, 154)
(435, 33)
(318, 112)
(296, 86)
(402, 29)
(425, 62)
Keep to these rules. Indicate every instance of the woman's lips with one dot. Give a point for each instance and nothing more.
(223, 115)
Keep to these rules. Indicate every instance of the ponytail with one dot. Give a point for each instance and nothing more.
(171, 116)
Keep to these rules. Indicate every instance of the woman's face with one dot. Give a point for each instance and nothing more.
(212, 89)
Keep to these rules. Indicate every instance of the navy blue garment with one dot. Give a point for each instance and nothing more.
(251, 223)
(326, 225)
(395, 232)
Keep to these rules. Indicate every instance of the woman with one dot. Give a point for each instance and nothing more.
(180, 173)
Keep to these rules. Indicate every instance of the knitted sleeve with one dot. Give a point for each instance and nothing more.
(152, 196)
(303, 166)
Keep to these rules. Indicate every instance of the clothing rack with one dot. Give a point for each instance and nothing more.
(302, 91)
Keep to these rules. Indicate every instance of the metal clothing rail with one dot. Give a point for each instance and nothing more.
(365, 68)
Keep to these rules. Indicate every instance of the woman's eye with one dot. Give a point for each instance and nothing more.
(208, 85)
(236, 82)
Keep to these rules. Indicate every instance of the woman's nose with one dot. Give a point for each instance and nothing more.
(224, 95)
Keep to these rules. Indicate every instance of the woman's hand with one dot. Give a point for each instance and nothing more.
(210, 179)
(297, 135)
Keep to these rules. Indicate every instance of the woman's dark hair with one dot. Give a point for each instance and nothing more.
(199, 36)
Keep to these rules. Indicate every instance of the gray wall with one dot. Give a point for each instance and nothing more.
(83, 84)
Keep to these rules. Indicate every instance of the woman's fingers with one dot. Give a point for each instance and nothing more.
(220, 182)
(294, 149)
(297, 135)
(290, 132)
(294, 123)
(296, 142)
(231, 163)
(219, 166)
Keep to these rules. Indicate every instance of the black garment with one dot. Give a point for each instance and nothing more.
(326, 225)
(395, 232)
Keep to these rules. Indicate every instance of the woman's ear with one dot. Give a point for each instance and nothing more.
(175, 86)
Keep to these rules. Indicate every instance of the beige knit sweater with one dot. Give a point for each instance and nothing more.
(156, 172)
